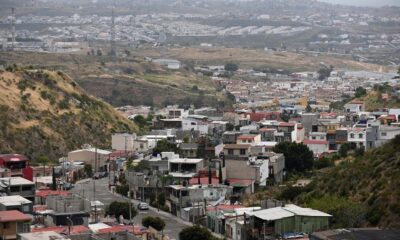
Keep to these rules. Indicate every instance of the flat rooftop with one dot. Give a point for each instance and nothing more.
(186, 160)
(15, 181)
(14, 200)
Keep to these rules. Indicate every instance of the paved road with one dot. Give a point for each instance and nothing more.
(85, 188)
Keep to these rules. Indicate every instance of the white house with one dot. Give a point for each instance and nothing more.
(358, 136)
(396, 112)
(317, 146)
(195, 124)
(354, 107)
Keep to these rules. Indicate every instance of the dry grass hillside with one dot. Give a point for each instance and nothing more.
(126, 81)
(46, 113)
(252, 58)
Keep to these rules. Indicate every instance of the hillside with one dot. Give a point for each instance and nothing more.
(46, 113)
(127, 80)
(366, 187)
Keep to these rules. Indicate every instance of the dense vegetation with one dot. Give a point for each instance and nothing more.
(154, 222)
(196, 233)
(361, 190)
(121, 208)
(45, 113)
(298, 156)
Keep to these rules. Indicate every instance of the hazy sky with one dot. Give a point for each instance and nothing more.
(375, 3)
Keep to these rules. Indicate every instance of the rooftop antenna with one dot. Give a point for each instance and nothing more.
(12, 28)
(113, 30)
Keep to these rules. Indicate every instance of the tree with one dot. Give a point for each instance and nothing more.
(154, 222)
(142, 166)
(121, 208)
(298, 157)
(164, 146)
(231, 67)
(99, 52)
(345, 148)
(360, 92)
(195, 233)
(88, 170)
(346, 213)
(44, 160)
(230, 127)
(140, 121)
(161, 199)
(324, 72)
(285, 116)
(308, 108)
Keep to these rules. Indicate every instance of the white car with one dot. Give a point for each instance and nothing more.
(143, 206)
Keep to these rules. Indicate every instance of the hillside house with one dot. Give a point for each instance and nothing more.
(13, 222)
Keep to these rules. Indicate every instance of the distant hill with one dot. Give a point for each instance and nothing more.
(46, 113)
(371, 181)
(128, 80)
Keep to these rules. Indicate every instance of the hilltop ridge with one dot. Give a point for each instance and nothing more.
(45, 112)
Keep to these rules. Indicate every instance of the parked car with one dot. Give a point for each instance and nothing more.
(99, 175)
(143, 206)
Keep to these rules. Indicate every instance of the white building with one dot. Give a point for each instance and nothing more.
(169, 63)
(354, 107)
(196, 124)
(95, 157)
(123, 141)
(317, 146)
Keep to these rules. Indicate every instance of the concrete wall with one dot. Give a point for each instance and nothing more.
(241, 170)
(118, 141)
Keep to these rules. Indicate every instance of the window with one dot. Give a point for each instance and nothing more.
(313, 138)
(352, 135)
(26, 227)
(360, 135)
(242, 151)
(383, 134)
(230, 151)
(26, 188)
(6, 225)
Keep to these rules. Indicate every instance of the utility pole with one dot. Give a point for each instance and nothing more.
(94, 184)
(130, 204)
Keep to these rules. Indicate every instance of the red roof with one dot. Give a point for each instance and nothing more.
(63, 229)
(388, 117)
(240, 182)
(315, 142)
(223, 207)
(203, 181)
(246, 137)
(287, 124)
(13, 157)
(39, 208)
(258, 116)
(267, 129)
(326, 115)
(13, 216)
(46, 192)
